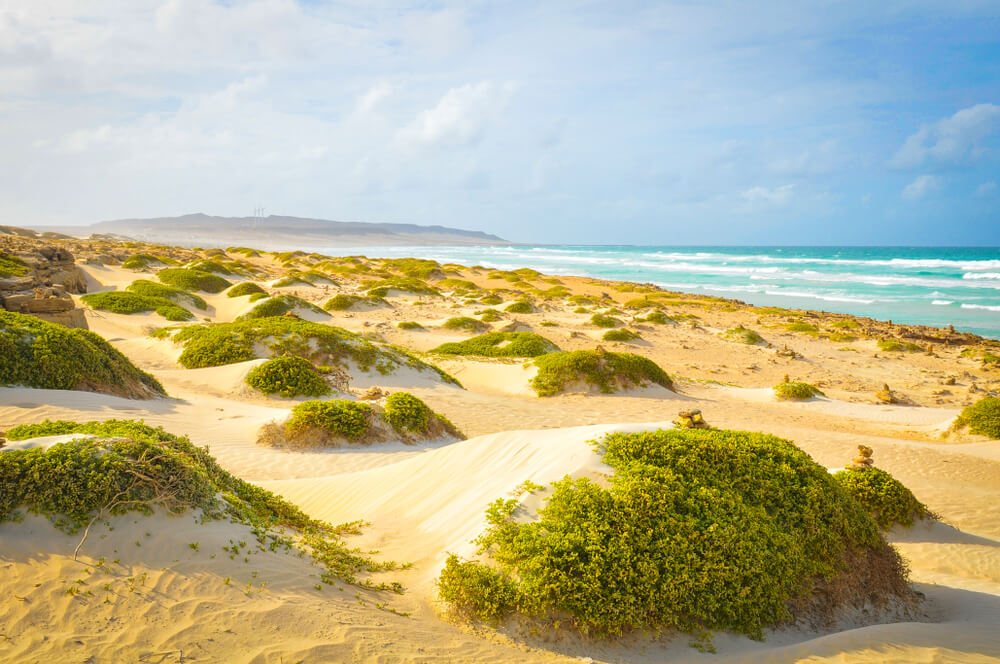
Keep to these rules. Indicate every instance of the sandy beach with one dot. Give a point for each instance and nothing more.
(174, 602)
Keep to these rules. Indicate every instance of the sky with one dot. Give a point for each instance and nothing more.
(776, 122)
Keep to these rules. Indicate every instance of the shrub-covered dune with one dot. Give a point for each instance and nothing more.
(696, 530)
(595, 370)
(126, 466)
(399, 417)
(500, 344)
(213, 345)
(981, 418)
(38, 354)
(121, 302)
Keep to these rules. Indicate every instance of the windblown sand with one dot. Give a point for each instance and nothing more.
(168, 601)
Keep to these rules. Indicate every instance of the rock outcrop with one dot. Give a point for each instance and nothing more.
(43, 288)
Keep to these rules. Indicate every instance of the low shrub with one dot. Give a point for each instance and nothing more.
(982, 418)
(407, 415)
(211, 266)
(216, 344)
(620, 335)
(152, 289)
(338, 418)
(409, 325)
(193, 280)
(602, 320)
(344, 302)
(743, 335)
(404, 284)
(698, 530)
(793, 391)
(519, 307)
(12, 266)
(45, 355)
(279, 305)
(121, 302)
(802, 326)
(492, 299)
(489, 315)
(883, 496)
(608, 372)
(657, 317)
(132, 467)
(897, 346)
(289, 376)
(464, 323)
(845, 324)
(841, 337)
(244, 288)
(140, 262)
(500, 344)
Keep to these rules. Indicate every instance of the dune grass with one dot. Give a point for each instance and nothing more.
(121, 302)
(982, 418)
(500, 344)
(607, 372)
(193, 280)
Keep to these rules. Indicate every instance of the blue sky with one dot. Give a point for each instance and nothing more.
(584, 122)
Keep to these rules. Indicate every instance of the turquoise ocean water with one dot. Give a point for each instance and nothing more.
(929, 286)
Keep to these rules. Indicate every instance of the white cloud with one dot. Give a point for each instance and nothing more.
(921, 186)
(955, 139)
(461, 116)
(373, 97)
(986, 189)
(775, 196)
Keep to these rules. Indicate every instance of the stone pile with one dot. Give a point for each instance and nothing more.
(44, 290)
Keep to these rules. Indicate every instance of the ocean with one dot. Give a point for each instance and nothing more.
(919, 285)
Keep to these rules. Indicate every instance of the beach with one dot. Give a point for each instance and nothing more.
(173, 602)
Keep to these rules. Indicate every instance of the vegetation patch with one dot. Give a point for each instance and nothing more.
(620, 335)
(132, 467)
(743, 335)
(489, 315)
(289, 376)
(492, 299)
(245, 288)
(403, 284)
(803, 327)
(216, 344)
(45, 355)
(409, 416)
(603, 320)
(11, 266)
(121, 302)
(796, 391)
(520, 307)
(657, 317)
(464, 323)
(152, 289)
(698, 530)
(409, 325)
(141, 262)
(345, 302)
(193, 280)
(982, 418)
(607, 372)
(897, 346)
(883, 496)
(280, 305)
(500, 344)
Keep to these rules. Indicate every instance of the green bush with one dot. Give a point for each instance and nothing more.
(11, 266)
(290, 280)
(464, 323)
(846, 324)
(405, 284)
(193, 280)
(519, 307)
(601, 320)
(982, 418)
(244, 288)
(883, 496)
(489, 315)
(500, 344)
(698, 530)
(121, 302)
(45, 355)
(743, 335)
(213, 267)
(407, 413)
(338, 417)
(152, 289)
(226, 343)
(289, 376)
(343, 301)
(658, 317)
(140, 261)
(126, 469)
(492, 299)
(608, 372)
(279, 305)
(796, 391)
(802, 326)
(897, 346)
(841, 337)
(409, 325)
(620, 335)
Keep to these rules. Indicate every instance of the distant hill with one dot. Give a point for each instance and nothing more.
(275, 231)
